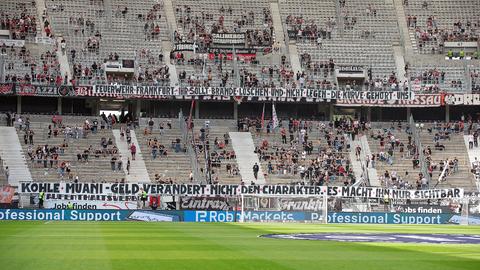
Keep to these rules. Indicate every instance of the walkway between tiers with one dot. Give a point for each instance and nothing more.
(138, 170)
(244, 148)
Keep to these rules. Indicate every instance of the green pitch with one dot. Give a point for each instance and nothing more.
(137, 245)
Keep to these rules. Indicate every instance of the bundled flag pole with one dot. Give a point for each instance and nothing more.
(274, 117)
(190, 116)
(263, 115)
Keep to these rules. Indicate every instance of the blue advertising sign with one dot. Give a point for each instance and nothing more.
(232, 216)
(334, 217)
(56, 214)
(89, 215)
(389, 218)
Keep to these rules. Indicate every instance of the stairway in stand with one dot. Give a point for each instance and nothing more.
(12, 155)
(473, 154)
(356, 163)
(138, 170)
(372, 172)
(244, 148)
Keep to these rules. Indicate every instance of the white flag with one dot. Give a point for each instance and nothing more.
(274, 117)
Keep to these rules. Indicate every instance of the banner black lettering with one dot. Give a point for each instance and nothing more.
(94, 189)
(228, 39)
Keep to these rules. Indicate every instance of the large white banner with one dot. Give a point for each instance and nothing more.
(12, 42)
(44, 40)
(127, 192)
(137, 91)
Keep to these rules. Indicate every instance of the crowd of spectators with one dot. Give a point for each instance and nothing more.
(156, 147)
(315, 152)
(81, 25)
(88, 74)
(19, 22)
(217, 157)
(307, 29)
(151, 28)
(315, 71)
(270, 76)
(219, 71)
(25, 67)
(393, 150)
(475, 79)
(432, 34)
(198, 26)
(55, 156)
(388, 82)
(433, 80)
(44, 156)
(91, 44)
(153, 72)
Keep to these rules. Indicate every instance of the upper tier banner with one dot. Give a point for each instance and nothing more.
(419, 100)
(239, 94)
(228, 39)
(129, 91)
(96, 189)
(40, 90)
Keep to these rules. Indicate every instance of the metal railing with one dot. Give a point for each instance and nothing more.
(188, 141)
(364, 177)
(421, 156)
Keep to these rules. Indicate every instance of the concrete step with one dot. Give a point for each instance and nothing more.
(294, 58)
(356, 163)
(172, 69)
(372, 172)
(12, 155)
(278, 26)
(473, 156)
(64, 63)
(246, 158)
(404, 31)
(138, 170)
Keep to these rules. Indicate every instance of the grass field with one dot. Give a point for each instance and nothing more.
(136, 245)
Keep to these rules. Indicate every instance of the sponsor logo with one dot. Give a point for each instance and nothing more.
(232, 216)
(75, 206)
(72, 215)
(205, 203)
(391, 238)
(151, 216)
(81, 204)
(388, 218)
(66, 91)
(266, 203)
(425, 209)
(311, 204)
(6, 89)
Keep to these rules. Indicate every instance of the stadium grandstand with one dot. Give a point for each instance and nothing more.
(366, 106)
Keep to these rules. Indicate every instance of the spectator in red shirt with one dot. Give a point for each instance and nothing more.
(133, 150)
